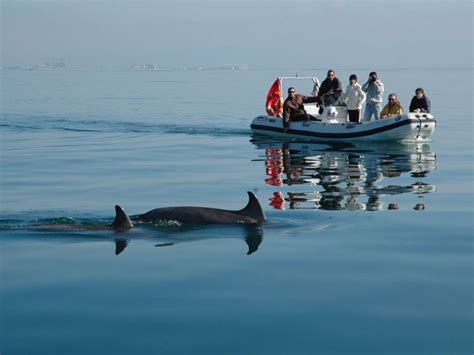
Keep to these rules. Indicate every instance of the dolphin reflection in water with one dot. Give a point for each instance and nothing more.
(250, 217)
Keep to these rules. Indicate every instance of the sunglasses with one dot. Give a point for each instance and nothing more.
(292, 91)
(392, 99)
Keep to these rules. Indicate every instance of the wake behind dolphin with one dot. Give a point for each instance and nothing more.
(252, 213)
(121, 223)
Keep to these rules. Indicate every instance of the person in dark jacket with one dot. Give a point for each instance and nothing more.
(419, 102)
(293, 108)
(330, 90)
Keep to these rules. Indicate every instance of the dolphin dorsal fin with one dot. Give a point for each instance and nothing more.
(122, 221)
(253, 209)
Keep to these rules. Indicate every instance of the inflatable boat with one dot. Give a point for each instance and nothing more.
(330, 123)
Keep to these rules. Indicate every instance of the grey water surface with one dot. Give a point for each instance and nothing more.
(347, 263)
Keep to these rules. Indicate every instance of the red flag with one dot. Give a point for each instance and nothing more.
(274, 104)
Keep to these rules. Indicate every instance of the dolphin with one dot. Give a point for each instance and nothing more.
(250, 214)
(121, 223)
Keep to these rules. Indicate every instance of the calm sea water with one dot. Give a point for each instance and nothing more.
(335, 270)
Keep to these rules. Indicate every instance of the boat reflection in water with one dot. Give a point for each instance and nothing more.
(345, 176)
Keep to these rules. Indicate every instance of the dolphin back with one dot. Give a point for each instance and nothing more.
(253, 209)
(252, 213)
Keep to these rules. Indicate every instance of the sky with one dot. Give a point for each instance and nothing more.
(262, 34)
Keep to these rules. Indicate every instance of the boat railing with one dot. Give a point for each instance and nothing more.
(313, 78)
(299, 77)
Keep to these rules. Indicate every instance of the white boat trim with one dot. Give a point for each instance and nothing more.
(408, 126)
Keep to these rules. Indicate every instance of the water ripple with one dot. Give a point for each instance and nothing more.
(29, 123)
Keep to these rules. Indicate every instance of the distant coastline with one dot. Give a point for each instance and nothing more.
(134, 67)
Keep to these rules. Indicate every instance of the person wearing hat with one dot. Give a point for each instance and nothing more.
(354, 98)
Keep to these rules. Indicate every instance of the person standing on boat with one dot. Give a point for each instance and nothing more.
(355, 97)
(419, 102)
(293, 108)
(393, 108)
(330, 90)
(374, 89)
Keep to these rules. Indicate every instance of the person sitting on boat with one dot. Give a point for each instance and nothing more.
(393, 108)
(419, 102)
(354, 97)
(330, 90)
(374, 89)
(293, 108)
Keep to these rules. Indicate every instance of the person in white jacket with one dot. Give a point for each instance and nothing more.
(354, 98)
